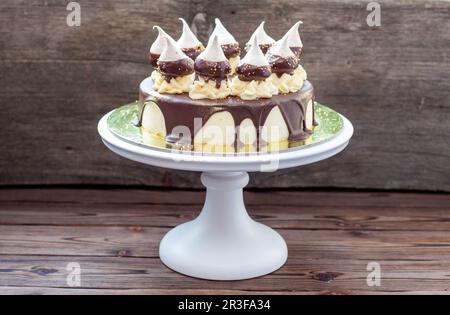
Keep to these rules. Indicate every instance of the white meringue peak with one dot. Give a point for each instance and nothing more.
(159, 44)
(280, 48)
(255, 56)
(187, 38)
(293, 35)
(261, 36)
(222, 33)
(213, 51)
(171, 51)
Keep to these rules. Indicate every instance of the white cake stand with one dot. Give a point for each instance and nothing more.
(224, 242)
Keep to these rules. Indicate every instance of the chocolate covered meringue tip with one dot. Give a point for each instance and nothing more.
(212, 63)
(171, 52)
(263, 39)
(188, 42)
(158, 45)
(281, 58)
(227, 41)
(254, 65)
(294, 40)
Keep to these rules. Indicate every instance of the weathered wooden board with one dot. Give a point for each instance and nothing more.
(114, 237)
(279, 209)
(392, 81)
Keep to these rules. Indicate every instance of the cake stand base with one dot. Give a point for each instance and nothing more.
(223, 242)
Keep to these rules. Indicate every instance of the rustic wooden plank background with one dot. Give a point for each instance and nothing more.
(114, 235)
(391, 81)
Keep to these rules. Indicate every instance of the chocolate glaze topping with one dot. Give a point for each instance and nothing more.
(212, 70)
(231, 50)
(153, 58)
(247, 72)
(282, 65)
(192, 52)
(297, 51)
(178, 68)
(265, 47)
(181, 110)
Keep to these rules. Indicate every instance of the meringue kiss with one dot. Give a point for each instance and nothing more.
(188, 42)
(158, 45)
(227, 41)
(254, 66)
(173, 62)
(281, 58)
(294, 40)
(212, 62)
(264, 41)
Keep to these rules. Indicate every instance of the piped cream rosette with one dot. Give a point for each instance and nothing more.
(289, 82)
(207, 88)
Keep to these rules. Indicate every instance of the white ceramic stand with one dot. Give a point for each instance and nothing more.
(223, 242)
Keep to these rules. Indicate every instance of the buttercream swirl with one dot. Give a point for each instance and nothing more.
(251, 90)
(204, 88)
(175, 85)
(287, 83)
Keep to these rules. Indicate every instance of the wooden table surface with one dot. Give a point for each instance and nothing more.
(114, 234)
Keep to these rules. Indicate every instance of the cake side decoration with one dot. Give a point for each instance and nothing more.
(228, 43)
(188, 42)
(262, 38)
(212, 69)
(176, 69)
(251, 79)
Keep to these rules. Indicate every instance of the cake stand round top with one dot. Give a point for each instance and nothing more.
(204, 162)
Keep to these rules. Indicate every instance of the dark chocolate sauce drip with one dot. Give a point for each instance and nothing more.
(193, 52)
(231, 50)
(212, 70)
(177, 68)
(265, 47)
(153, 58)
(181, 110)
(247, 72)
(297, 51)
(282, 65)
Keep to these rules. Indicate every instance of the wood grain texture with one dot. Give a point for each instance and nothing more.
(114, 236)
(391, 81)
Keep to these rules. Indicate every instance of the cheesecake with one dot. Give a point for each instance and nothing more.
(199, 97)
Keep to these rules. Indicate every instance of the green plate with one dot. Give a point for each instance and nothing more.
(120, 122)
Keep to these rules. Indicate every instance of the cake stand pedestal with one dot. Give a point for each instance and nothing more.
(224, 242)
